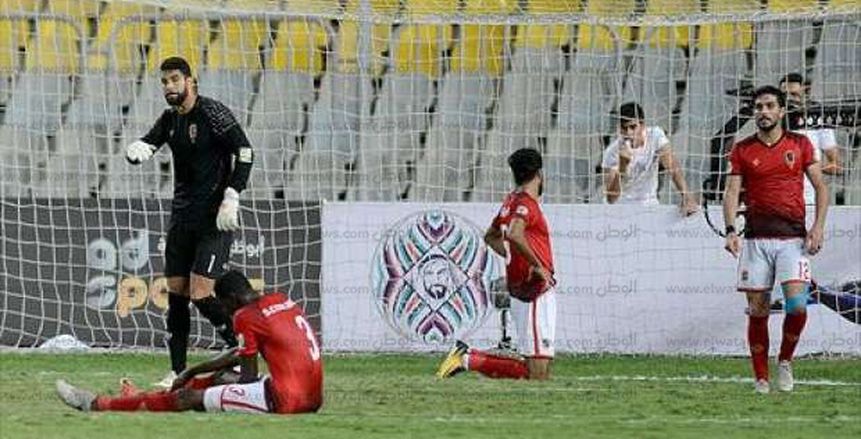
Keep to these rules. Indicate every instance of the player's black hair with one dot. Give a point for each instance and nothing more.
(771, 90)
(631, 111)
(176, 63)
(525, 164)
(795, 77)
(232, 284)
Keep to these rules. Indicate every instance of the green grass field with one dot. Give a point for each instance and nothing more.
(398, 396)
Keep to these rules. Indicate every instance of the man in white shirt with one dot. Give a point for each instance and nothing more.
(825, 148)
(630, 163)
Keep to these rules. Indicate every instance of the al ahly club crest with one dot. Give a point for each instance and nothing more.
(789, 159)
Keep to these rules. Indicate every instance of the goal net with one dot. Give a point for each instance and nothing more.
(392, 101)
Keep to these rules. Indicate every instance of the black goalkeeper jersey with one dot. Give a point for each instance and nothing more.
(203, 143)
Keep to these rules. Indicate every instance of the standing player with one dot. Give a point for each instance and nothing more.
(630, 163)
(519, 233)
(824, 142)
(771, 166)
(271, 325)
(212, 161)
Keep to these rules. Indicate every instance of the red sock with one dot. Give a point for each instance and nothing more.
(152, 401)
(757, 338)
(200, 383)
(495, 366)
(793, 324)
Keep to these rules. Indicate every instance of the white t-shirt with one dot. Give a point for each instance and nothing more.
(640, 186)
(822, 139)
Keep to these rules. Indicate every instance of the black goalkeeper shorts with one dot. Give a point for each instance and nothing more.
(189, 250)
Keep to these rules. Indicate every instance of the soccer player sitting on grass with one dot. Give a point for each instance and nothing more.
(272, 325)
(519, 233)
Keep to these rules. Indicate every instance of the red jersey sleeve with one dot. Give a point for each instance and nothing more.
(524, 210)
(808, 156)
(243, 326)
(735, 162)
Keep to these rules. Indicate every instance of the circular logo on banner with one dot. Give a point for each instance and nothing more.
(431, 277)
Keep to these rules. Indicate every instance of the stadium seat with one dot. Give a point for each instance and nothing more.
(278, 118)
(529, 92)
(233, 63)
(837, 69)
(659, 62)
(73, 168)
(391, 141)
(45, 85)
(467, 92)
(83, 12)
(23, 158)
(781, 45)
(9, 64)
(719, 65)
(19, 6)
(99, 103)
(179, 37)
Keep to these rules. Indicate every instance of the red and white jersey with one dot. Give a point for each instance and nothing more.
(519, 204)
(773, 180)
(275, 327)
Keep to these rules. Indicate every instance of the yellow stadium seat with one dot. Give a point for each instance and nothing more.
(254, 5)
(347, 47)
(669, 36)
(55, 49)
(795, 5)
(313, 6)
(541, 36)
(481, 47)
(299, 47)
(601, 37)
(74, 8)
(125, 41)
(419, 48)
(429, 7)
(388, 7)
(177, 37)
(236, 46)
(8, 47)
(13, 6)
(728, 35)
(843, 5)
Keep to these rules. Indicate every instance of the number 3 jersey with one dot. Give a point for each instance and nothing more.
(519, 204)
(275, 327)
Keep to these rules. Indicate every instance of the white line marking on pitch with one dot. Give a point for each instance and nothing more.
(704, 379)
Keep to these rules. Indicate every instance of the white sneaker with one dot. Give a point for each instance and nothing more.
(761, 387)
(785, 382)
(167, 381)
(75, 397)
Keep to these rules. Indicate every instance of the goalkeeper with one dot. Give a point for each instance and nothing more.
(212, 161)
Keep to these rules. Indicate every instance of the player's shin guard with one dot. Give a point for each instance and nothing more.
(494, 366)
(793, 324)
(757, 338)
(178, 325)
(211, 308)
(152, 402)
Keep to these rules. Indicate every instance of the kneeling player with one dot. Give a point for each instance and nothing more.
(272, 324)
(520, 234)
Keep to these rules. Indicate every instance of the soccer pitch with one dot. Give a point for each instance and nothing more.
(398, 396)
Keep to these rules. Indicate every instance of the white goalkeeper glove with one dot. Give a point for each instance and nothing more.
(139, 152)
(228, 214)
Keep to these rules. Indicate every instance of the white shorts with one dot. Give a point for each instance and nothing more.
(245, 398)
(535, 324)
(764, 261)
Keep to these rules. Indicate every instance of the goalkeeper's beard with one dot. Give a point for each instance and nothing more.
(176, 99)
